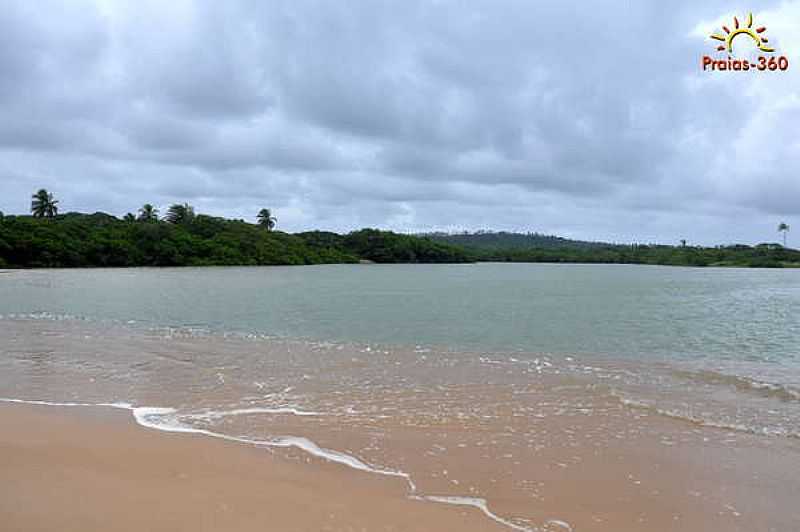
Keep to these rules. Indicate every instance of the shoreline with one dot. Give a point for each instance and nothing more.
(96, 469)
(712, 266)
(504, 443)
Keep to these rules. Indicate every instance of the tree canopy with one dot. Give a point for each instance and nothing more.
(44, 205)
(82, 240)
(48, 239)
(148, 213)
(180, 213)
(266, 219)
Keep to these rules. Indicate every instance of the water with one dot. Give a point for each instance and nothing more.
(508, 387)
(621, 310)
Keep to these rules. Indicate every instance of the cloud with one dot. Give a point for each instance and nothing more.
(592, 121)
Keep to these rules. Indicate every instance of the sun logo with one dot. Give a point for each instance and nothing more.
(755, 34)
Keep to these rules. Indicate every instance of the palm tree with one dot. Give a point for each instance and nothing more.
(783, 228)
(179, 214)
(266, 220)
(148, 213)
(129, 217)
(44, 205)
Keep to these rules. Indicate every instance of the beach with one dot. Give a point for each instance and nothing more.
(118, 409)
(91, 469)
(96, 471)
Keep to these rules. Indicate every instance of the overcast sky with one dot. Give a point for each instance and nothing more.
(584, 119)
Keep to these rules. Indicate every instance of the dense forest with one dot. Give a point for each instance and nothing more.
(46, 239)
(760, 256)
(81, 240)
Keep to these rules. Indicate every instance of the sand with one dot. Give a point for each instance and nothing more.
(96, 470)
(540, 447)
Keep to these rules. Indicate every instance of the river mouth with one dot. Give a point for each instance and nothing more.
(600, 444)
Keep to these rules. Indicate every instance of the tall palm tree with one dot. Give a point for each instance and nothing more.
(148, 213)
(266, 220)
(783, 228)
(44, 205)
(180, 213)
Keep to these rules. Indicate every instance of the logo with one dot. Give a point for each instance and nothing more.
(755, 35)
(742, 34)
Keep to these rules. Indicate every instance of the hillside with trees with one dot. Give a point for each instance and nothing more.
(181, 237)
(534, 247)
(494, 240)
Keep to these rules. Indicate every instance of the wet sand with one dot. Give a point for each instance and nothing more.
(551, 444)
(96, 470)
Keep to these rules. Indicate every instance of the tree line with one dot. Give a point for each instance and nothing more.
(44, 205)
(48, 239)
(184, 238)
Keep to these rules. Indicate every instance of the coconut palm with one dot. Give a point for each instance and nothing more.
(148, 213)
(266, 220)
(180, 213)
(44, 205)
(783, 228)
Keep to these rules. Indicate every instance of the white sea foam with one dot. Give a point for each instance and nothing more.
(217, 414)
(475, 502)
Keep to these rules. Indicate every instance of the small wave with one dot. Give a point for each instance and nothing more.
(475, 502)
(42, 316)
(218, 414)
(686, 416)
(783, 392)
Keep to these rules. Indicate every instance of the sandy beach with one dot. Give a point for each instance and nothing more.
(545, 444)
(96, 470)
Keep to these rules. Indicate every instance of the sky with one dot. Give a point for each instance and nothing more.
(590, 120)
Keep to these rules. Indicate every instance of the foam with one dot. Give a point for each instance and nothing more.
(474, 502)
(217, 414)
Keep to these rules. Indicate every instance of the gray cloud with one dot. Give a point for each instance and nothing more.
(593, 121)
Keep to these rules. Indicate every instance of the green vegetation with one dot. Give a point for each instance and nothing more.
(507, 241)
(783, 228)
(514, 247)
(148, 213)
(44, 205)
(46, 240)
(266, 220)
(387, 247)
(180, 214)
(186, 239)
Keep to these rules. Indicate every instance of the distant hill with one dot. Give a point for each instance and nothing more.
(505, 240)
(535, 247)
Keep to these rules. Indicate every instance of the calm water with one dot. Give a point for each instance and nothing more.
(619, 310)
(501, 384)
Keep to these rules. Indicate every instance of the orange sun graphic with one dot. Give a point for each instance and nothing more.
(755, 34)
